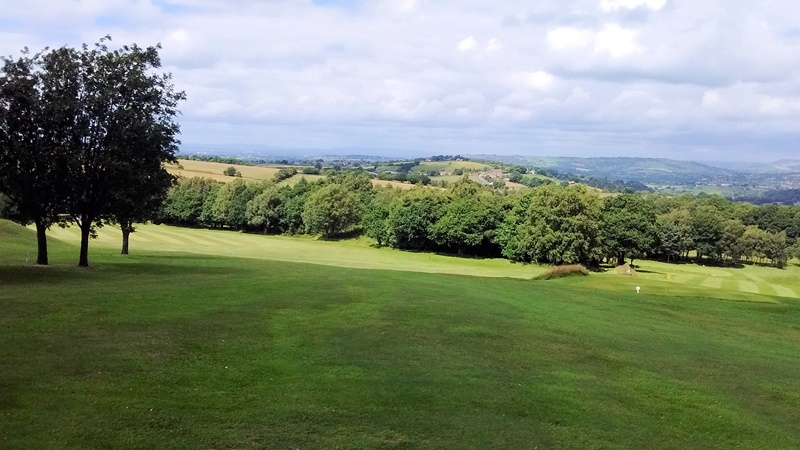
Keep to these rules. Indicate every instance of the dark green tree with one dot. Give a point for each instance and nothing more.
(264, 210)
(375, 221)
(332, 210)
(707, 230)
(628, 228)
(675, 233)
(123, 127)
(410, 217)
(469, 218)
(563, 226)
(185, 201)
(34, 134)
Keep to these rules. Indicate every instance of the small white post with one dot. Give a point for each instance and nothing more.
(637, 289)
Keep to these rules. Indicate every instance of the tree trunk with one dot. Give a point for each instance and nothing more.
(127, 228)
(86, 228)
(126, 233)
(41, 238)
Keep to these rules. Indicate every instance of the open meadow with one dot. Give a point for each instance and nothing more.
(215, 339)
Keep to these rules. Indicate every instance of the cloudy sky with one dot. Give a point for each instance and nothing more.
(686, 79)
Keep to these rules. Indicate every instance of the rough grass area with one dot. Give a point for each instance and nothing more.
(174, 350)
(567, 270)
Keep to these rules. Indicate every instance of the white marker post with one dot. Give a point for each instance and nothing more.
(637, 289)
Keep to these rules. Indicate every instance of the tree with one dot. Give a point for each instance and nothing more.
(628, 227)
(120, 127)
(706, 230)
(264, 210)
(776, 249)
(729, 243)
(142, 202)
(331, 210)
(469, 218)
(674, 233)
(231, 171)
(34, 127)
(376, 217)
(228, 208)
(410, 217)
(185, 201)
(563, 226)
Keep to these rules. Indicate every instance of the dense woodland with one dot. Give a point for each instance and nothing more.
(552, 223)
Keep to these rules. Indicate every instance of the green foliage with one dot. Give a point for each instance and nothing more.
(231, 171)
(468, 219)
(411, 216)
(331, 210)
(284, 174)
(375, 222)
(628, 227)
(264, 211)
(707, 230)
(87, 132)
(185, 201)
(561, 226)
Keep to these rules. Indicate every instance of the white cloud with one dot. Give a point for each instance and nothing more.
(617, 41)
(563, 38)
(292, 73)
(532, 80)
(493, 45)
(468, 44)
(610, 5)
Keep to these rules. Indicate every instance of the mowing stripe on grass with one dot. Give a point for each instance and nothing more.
(747, 286)
(784, 291)
(712, 282)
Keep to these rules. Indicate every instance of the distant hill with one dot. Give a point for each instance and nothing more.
(645, 170)
(782, 166)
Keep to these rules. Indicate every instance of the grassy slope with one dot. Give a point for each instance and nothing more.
(185, 351)
(348, 253)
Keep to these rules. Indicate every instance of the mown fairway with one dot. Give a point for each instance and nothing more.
(177, 350)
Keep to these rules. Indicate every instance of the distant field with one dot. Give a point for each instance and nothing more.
(165, 349)
(214, 170)
(296, 179)
(448, 166)
(440, 166)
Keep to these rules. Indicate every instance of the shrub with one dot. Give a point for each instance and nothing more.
(569, 270)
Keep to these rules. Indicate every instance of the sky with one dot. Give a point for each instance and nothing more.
(684, 79)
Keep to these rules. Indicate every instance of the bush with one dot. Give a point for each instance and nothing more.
(569, 270)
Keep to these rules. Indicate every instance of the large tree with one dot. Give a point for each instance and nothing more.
(332, 210)
(628, 227)
(34, 134)
(123, 131)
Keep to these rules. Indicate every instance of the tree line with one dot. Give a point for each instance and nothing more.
(550, 224)
(84, 134)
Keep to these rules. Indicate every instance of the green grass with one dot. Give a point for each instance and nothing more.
(347, 253)
(177, 350)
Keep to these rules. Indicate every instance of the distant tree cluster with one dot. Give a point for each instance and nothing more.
(549, 224)
(222, 160)
(84, 134)
(440, 158)
(773, 196)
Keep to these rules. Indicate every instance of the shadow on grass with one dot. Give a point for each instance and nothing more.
(170, 266)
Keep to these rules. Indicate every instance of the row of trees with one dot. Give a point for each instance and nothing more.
(549, 224)
(84, 134)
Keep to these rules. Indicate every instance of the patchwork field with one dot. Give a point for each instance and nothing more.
(238, 346)
(214, 170)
